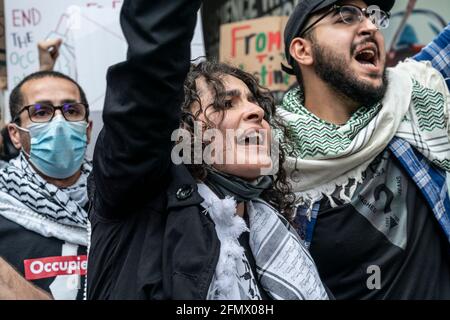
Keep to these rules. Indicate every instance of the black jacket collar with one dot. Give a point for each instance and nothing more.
(182, 191)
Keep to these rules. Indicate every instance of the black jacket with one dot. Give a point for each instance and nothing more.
(150, 239)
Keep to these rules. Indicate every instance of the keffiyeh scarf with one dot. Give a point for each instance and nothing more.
(28, 200)
(327, 156)
(285, 269)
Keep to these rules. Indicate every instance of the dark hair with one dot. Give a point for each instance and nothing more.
(8, 150)
(279, 194)
(16, 99)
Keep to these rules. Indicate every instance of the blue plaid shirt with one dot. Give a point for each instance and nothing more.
(430, 180)
(438, 52)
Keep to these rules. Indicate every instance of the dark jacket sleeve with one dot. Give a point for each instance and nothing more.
(142, 104)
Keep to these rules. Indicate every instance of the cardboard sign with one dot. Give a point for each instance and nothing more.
(219, 12)
(257, 47)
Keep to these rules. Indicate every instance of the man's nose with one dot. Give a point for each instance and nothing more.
(367, 26)
(58, 112)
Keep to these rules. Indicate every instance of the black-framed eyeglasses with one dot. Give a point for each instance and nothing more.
(45, 112)
(351, 14)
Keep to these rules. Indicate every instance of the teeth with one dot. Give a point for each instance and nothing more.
(366, 56)
(368, 52)
(253, 137)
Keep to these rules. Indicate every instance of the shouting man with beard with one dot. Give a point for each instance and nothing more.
(371, 154)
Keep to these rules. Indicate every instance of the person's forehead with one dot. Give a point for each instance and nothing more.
(49, 89)
(358, 3)
(201, 86)
(231, 83)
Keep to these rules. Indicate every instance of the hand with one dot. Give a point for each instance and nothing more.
(48, 53)
(14, 287)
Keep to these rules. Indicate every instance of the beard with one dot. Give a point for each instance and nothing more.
(332, 69)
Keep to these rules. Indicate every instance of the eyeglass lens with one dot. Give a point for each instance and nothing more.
(42, 112)
(351, 15)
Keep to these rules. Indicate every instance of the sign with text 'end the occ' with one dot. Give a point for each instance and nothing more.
(257, 46)
(29, 21)
(91, 34)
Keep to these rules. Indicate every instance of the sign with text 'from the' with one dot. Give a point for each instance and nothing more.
(257, 47)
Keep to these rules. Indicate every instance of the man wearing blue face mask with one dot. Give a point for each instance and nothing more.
(43, 196)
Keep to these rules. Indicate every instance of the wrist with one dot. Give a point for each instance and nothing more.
(46, 67)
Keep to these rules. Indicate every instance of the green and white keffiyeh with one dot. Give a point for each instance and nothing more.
(326, 156)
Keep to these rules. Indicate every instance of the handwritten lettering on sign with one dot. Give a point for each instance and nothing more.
(30, 21)
(257, 47)
(26, 18)
(22, 52)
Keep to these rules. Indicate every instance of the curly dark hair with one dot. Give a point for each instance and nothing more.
(279, 195)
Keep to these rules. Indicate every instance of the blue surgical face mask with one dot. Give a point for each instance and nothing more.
(57, 147)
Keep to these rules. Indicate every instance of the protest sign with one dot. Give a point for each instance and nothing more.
(91, 34)
(257, 47)
(92, 42)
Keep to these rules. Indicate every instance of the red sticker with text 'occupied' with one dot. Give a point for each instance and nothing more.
(55, 266)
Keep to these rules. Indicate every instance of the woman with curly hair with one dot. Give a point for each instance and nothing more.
(245, 205)
(214, 227)
(217, 96)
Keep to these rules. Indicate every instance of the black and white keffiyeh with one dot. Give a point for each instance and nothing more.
(27, 199)
(285, 268)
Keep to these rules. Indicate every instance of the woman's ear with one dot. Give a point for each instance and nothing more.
(14, 135)
(301, 51)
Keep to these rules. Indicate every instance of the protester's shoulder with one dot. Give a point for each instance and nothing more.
(3, 164)
(6, 168)
(424, 73)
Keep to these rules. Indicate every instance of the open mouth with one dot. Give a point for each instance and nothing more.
(252, 137)
(367, 55)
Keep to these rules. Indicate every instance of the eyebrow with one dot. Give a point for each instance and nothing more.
(43, 101)
(233, 93)
(50, 102)
(69, 101)
(335, 13)
(238, 93)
